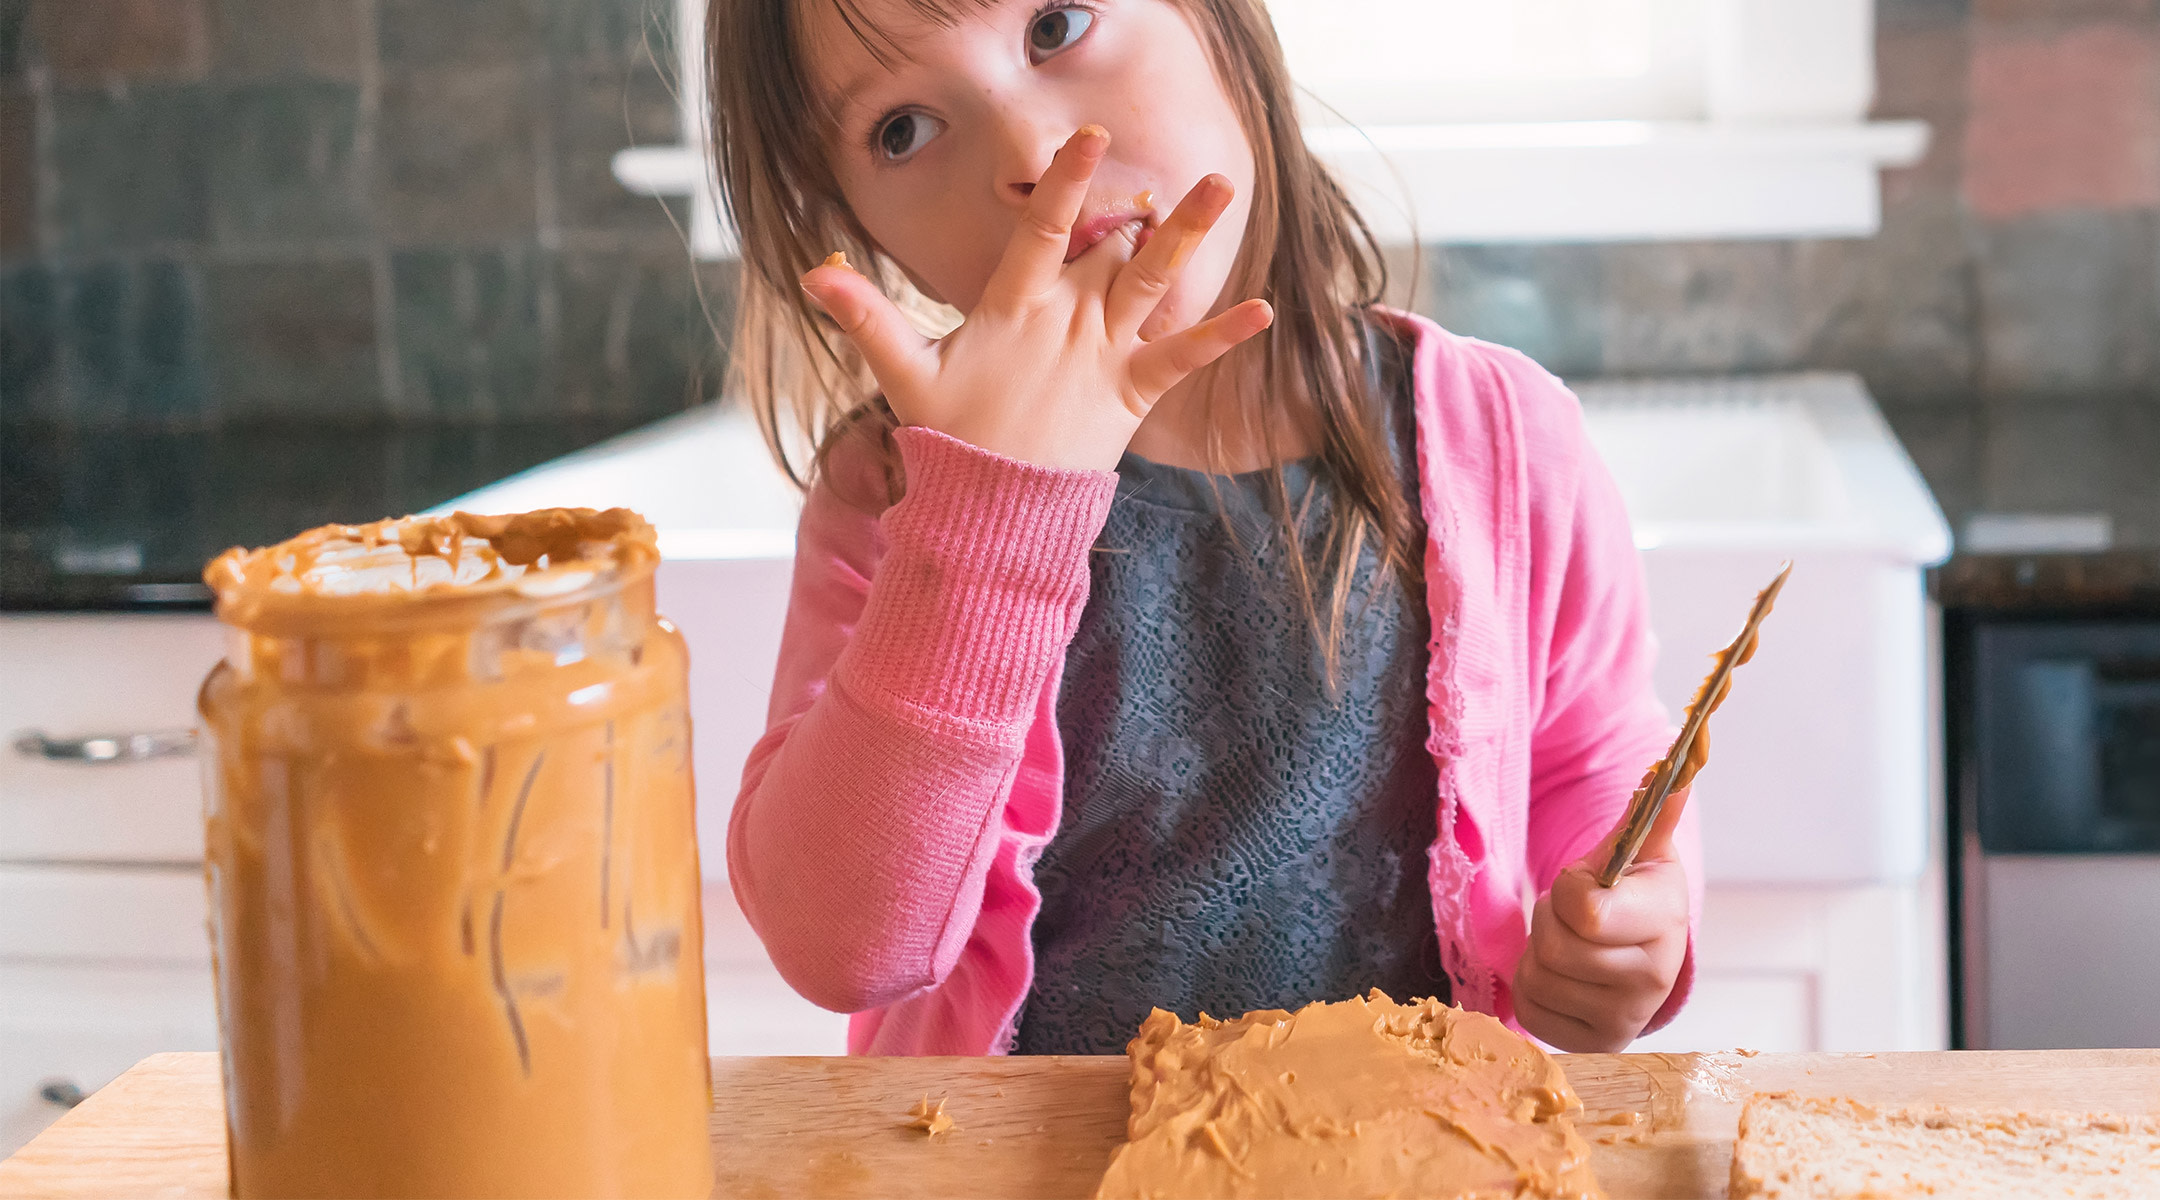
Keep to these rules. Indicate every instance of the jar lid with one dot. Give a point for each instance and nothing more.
(429, 570)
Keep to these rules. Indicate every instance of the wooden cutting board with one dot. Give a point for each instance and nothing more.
(1044, 1127)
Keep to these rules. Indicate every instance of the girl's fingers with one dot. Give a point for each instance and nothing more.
(1560, 951)
(1610, 1018)
(1159, 366)
(1658, 843)
(1556, 1019)
(1035, 258)
(1140, 286)
(1647, 903)
(890, 346)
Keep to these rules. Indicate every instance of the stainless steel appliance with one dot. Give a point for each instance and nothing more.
(2055, 748)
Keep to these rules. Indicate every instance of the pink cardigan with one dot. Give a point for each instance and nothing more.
(890, 818)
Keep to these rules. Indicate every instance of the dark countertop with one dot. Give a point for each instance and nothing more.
(2125, 580)
(127, 519)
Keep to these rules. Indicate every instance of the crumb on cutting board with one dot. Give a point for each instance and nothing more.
(930, 1117)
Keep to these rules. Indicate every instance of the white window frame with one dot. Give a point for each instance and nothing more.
(1784, 150)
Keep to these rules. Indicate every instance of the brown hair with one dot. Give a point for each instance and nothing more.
(1306, 250)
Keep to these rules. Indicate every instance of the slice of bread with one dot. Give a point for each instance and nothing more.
(1792, 1148)
(1359, 1098)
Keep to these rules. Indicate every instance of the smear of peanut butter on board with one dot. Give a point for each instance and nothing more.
(1364, 1097)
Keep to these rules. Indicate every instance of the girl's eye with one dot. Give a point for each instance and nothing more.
(900, 137)
(1055, 30)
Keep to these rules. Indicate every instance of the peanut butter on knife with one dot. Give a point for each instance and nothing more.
(1691, 749)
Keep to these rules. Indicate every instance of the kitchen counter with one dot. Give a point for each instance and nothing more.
(125, 519)
(2123, 580)
(1044, 1127)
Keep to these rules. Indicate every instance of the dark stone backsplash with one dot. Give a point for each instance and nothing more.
(401, 211)
(2007, 317)
(353, 211)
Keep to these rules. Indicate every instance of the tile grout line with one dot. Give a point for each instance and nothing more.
(368, 135)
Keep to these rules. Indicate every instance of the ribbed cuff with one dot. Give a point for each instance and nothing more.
(984, 576)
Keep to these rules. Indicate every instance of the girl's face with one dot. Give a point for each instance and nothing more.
(937, 150)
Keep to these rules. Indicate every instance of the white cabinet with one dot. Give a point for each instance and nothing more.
(103, 958)
(100, 967)
(1793, 967)
(68, 1028)
(73, 676)
(97, 912)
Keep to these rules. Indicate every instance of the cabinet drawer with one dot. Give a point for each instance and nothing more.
(75, 675)
(1768, 1011)
(76, 914)
(71, 1028)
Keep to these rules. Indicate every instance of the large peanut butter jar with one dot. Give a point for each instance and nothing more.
(452, 870)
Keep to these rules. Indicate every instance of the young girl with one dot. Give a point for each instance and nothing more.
(1182, 629)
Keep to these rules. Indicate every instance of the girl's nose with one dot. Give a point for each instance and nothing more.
(1025, 147)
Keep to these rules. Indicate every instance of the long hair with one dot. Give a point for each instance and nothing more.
(1306, 251)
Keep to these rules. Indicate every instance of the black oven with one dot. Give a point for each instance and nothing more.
(2055, 823)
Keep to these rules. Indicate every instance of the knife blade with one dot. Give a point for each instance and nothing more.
(1691, 749)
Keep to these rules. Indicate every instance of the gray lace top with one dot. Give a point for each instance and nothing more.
(1233, 836)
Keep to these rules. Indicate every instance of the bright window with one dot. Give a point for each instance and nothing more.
(1539, 120)
(1394, 61)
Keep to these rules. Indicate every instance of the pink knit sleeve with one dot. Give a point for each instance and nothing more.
(907, 679)
(1600, 723)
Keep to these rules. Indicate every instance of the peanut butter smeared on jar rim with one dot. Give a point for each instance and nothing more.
(334, 571)
(453, 865)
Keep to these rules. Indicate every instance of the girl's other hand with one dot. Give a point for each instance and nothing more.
(1050, 368)
(1601, 961)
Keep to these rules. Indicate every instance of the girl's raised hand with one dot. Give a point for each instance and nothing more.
(1050, 368)
(1601, 961)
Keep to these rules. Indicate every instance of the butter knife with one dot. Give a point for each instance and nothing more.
(1692, 748)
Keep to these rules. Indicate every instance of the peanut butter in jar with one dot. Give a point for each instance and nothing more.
(452, 866)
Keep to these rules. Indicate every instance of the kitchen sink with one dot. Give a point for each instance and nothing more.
(1822, 762)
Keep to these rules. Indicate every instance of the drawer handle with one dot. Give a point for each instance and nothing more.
(100, 748)
(62, 1093)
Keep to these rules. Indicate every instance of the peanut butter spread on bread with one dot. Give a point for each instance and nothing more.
(1364, 1097)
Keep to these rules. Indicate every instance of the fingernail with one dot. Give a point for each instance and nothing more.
(1092, 137)
(816, 292)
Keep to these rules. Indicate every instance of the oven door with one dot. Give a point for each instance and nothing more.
(2060, 834)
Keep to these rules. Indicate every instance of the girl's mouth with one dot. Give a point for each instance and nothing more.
(1102, 225)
